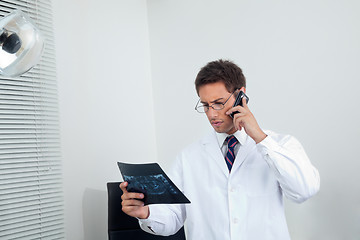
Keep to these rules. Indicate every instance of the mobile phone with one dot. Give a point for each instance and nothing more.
(238, 102)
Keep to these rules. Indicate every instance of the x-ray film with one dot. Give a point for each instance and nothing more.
(152, 181)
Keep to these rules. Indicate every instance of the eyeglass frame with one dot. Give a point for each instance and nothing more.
(208, 107)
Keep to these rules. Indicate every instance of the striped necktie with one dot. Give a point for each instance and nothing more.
(230, 155)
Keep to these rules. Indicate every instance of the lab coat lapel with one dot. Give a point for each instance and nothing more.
(211, 146)
(243, 152)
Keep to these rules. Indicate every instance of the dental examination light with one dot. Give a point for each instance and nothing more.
(21, 44)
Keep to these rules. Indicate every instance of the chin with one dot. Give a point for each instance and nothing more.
(223, 129)
(217, 130)
(220, 130)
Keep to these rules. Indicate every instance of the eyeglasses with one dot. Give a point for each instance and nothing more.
(201, 108)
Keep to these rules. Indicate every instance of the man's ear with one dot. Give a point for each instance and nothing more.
(243, 89)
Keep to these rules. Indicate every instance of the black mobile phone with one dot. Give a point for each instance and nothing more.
(238, 102)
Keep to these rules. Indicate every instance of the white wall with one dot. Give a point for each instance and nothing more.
(301, 59)
(106, 107)
(298, 56)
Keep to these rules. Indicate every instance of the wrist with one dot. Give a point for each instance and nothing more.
(146, 213)
(261, 136)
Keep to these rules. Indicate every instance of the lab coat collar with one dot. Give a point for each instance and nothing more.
(241, 136)
(211, 146)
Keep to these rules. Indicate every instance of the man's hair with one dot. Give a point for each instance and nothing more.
(221, 71)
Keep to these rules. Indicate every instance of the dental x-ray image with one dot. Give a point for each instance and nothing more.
(152, 181)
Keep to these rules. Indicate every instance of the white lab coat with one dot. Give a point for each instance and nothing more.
(246, 204)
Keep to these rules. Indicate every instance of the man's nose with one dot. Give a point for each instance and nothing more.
(212, 112)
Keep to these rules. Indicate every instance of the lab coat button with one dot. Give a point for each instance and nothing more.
(235, 220)
(232, 189)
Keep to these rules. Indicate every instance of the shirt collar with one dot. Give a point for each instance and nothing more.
(240, 136)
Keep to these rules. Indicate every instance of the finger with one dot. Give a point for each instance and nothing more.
(238, 121)
(132, 195)
(129, 195)
(238, 128)
(136, 211)
(130, 209)
(235, 109)
(244, 103)
(238, 115)
(123, 186)
(132, 202)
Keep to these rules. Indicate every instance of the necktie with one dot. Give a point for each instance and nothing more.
(230, 155)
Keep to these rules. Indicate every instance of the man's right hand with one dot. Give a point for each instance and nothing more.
(131, 205)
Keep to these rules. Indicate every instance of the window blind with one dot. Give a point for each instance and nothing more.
(31, 196)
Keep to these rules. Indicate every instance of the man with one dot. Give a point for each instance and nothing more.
(235, 177)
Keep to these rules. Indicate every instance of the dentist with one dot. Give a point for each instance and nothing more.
(235, 177)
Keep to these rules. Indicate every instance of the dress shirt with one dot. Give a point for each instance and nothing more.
(221, 137)
(245, 204)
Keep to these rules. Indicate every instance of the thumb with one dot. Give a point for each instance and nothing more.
(123, 186)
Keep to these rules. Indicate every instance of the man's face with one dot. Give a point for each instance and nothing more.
(217, 93)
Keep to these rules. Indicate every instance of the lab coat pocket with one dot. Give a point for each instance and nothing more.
(260, 180)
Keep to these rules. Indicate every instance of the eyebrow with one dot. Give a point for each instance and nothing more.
(216, 100)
